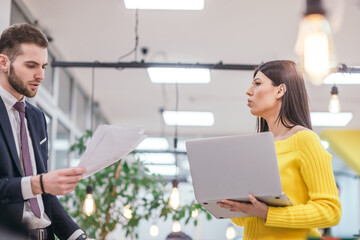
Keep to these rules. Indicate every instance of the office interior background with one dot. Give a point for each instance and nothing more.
(230, 31)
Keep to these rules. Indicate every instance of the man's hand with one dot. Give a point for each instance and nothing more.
(255, 208)
(58, 182)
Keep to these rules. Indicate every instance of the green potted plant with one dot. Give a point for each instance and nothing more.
(125, 184)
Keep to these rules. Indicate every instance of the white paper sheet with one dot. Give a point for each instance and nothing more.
(109, 144)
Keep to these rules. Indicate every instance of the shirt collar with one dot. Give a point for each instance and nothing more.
(9, 100)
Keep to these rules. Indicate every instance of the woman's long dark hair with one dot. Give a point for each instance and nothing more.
(295, 106)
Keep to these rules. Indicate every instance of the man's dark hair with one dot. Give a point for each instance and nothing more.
(16, 34)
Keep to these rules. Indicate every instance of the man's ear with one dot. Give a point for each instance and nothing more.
(4, 63)
(281, 91)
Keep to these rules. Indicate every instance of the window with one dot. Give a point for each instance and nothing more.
(62, 146)
(81, 106)
(48, 82)
(98, 117)
(65, 90)
(74, 162)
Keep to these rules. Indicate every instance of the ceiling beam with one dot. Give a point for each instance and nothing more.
(348, 69)
(142, 64)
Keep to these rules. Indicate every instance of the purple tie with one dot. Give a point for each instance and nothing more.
(20, 106)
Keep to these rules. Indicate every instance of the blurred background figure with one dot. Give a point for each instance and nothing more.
(178, 236)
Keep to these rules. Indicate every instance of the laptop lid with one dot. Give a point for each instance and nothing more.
(232, 167)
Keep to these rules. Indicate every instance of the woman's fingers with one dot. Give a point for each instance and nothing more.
(255, 207)
(234, 205)
(254, 201)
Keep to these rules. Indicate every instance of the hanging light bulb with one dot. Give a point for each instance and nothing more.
(174, 200)
(230, 232)
(154, 230)
(127, 212)
(334, 104)
(89, 203)
(314, 45)
(194, 213)
(176, 227)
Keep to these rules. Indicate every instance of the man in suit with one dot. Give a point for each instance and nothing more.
(27, 190)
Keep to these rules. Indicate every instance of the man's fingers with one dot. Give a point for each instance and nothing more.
(73, 179)
(73, 171)
(63, 180)
(68, 189)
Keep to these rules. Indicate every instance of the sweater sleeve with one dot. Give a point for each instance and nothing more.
(323, 209)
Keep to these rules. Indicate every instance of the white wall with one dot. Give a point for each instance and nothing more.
(5, 11)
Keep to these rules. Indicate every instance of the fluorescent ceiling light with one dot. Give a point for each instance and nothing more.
(342, 78)
(179, 75)
(165, 4)
(173, 118)
(181, 145)
(167, 170)
(327, 119)
(154, 144)
(157, 158)
(325, 144)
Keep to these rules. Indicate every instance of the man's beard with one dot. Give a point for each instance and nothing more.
(18, 85)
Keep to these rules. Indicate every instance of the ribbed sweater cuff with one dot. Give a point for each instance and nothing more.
(276, 218)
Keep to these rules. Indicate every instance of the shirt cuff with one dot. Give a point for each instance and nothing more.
(77, 234)
(26, 188)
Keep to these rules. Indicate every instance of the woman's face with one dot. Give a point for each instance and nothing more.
(263, 96)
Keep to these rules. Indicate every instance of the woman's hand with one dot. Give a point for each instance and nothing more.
(255, 208)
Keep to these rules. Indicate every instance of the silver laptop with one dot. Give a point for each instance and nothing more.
(233, 167)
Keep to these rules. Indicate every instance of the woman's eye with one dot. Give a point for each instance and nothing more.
(257, 84)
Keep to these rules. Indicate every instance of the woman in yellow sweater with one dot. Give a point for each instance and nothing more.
(279, 99)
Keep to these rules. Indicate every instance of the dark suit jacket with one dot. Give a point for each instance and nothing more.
(11, 199)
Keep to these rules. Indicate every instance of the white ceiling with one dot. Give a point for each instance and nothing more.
(233, 31)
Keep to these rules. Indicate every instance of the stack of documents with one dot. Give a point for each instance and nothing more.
(108, 145)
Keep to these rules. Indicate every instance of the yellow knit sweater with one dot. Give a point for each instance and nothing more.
(307, 179)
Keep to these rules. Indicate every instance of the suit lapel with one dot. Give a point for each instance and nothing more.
(7, 130)
(32, 124)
